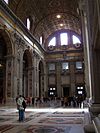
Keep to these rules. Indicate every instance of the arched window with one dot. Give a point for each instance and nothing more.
(52, 42)
(64, 38)
(28, 23)
(41, 40)
(75, 39)
(6, 1)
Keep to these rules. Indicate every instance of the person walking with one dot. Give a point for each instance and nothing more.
(62, 101)
(20, 107)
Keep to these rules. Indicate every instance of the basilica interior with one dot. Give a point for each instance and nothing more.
(51, 49)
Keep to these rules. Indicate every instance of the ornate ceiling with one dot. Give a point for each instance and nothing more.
(43, 15)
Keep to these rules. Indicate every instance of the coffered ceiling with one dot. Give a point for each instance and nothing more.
(44, 15)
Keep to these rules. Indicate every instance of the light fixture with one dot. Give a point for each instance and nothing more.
(6, 1)
(61, 24)
(58, 16)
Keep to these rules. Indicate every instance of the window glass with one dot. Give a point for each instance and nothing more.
(80, 87)
(52, 91)
(6, 1)
(78, 65)
(28, 23)
(50, 88)
(51, 67)
(40, 39)
(80, 92)
(65, 66)
(75, 39)
(52, 42)
(54, 88)
(64, 38)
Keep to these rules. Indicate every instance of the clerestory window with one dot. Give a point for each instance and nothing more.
(64, 38)
(75, 39)
(78, 65)
(41, 40)
(6, 1)
(52, 42)
(65, 66)
(28, 23)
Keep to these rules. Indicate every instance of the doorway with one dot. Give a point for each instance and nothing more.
(66, 91)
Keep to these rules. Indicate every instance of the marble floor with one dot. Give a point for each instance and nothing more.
(43, 120)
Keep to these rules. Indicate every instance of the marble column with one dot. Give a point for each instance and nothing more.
(36, 74)
(58, 79)
(96, 76)
(30, 82)
(45, 81)
(9, 92)
(87, 51)
(72, 79)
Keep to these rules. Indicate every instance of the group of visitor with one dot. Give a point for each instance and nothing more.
(74, 101)
(22, 102)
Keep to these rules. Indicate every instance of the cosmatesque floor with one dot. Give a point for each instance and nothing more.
(43, 120)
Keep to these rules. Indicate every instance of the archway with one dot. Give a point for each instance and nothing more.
(27, 74)
(3, 53)
(41, 79)
(5, 66)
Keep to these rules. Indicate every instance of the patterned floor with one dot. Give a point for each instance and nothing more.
(48, 120)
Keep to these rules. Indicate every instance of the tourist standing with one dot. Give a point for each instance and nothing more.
(20, 107)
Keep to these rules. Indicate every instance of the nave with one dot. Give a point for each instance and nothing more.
(44, 120)
(50, 48)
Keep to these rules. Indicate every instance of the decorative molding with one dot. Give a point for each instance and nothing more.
(36, 54)
(51, 48)
(18, 39)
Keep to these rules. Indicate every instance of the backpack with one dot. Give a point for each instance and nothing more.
(24, 104)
